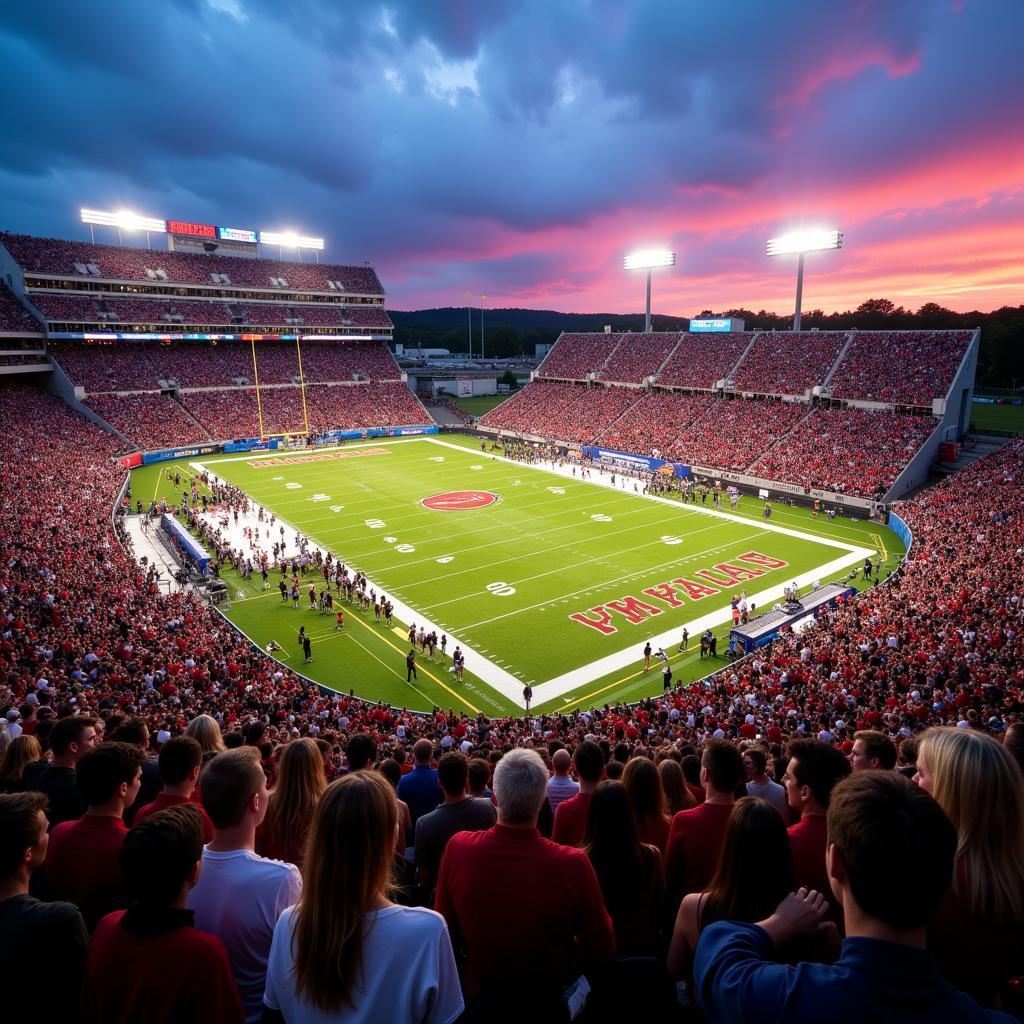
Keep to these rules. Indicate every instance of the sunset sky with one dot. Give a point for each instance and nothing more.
(521, 148)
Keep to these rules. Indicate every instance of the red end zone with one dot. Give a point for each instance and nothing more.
(459, 501)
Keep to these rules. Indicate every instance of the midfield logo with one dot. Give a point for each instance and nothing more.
(459, 501)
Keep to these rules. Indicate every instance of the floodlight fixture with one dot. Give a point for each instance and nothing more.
(125, 220)
(649, 259)
(646, 259)
(799, 243)
(804, 241)
(290, 240)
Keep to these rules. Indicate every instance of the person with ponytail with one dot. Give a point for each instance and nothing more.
(345, 951)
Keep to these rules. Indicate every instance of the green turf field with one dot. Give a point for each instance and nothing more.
(479, 405)
(1008, 418)
(504, 579)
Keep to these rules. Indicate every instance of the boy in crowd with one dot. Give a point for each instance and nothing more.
(149, 962)
(32, 932)
(889, 862)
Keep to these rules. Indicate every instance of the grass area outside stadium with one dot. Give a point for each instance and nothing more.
(515, 580)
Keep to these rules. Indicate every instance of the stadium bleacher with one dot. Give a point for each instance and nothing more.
(850, 451)
(700, 360)
(14, 317)
(788, 362)
(54, 256)
(900, 367)
(638, 356)
(576, 356)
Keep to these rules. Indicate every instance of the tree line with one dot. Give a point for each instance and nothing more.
(514, 332)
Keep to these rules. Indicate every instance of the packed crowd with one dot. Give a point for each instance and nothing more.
(91, 656)
(788, 362)
(575, 356)
(655, 421)
(735, 432)
(148, 421)
(568, 412)
(140, 367)
(701, 360)
(901, 367)
(638, 356)
(13, 315)
(850, 451)
(55, 256)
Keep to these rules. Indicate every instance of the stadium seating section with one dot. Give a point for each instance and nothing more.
(848, 450)
(700, 360)
(638, 356)
(115, 263)
(574, 356)
(787, 362)
(900, 367)
(66, 308)
(14, 317)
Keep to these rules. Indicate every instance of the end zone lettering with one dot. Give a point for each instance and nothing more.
(351, 453)
(674, 593)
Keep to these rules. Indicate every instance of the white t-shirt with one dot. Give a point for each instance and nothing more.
(239, 898)
(408, 972)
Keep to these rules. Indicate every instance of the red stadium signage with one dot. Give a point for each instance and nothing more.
(184, 227)
(459, 501)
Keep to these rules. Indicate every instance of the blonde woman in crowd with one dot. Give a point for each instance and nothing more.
(978, 932)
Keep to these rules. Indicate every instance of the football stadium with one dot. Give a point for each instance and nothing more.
(666, 665)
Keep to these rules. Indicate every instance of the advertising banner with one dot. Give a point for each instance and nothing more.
(180, 453)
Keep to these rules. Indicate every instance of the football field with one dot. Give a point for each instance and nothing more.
(540, 576)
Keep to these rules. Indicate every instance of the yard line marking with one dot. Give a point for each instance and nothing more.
(440, 682)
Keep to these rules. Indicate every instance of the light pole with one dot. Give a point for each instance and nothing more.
(800, 243)
(648, 259)
(469, 321)
(482, 297)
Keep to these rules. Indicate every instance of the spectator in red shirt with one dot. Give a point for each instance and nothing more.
(872, 750)
(180, 761)
(571, 816)
(32, 932)
(814, 769)
(520, 907)
(149, 962)
(677, 795)
(695, 839)
(83, 862)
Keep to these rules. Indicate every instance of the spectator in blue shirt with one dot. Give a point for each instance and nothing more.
(890, 861)
(420, 788)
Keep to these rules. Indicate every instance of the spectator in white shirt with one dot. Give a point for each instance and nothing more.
(240, 895)
(345, 952)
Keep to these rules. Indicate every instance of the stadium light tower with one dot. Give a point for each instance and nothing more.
(800, 243)
(648, 259)
(469, 322)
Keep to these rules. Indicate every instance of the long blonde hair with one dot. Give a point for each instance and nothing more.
(981, 789)
(206, 730)
(22, 750)
(300, 784)
(347, 869)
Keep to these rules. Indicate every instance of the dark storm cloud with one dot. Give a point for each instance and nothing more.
(526, 142)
